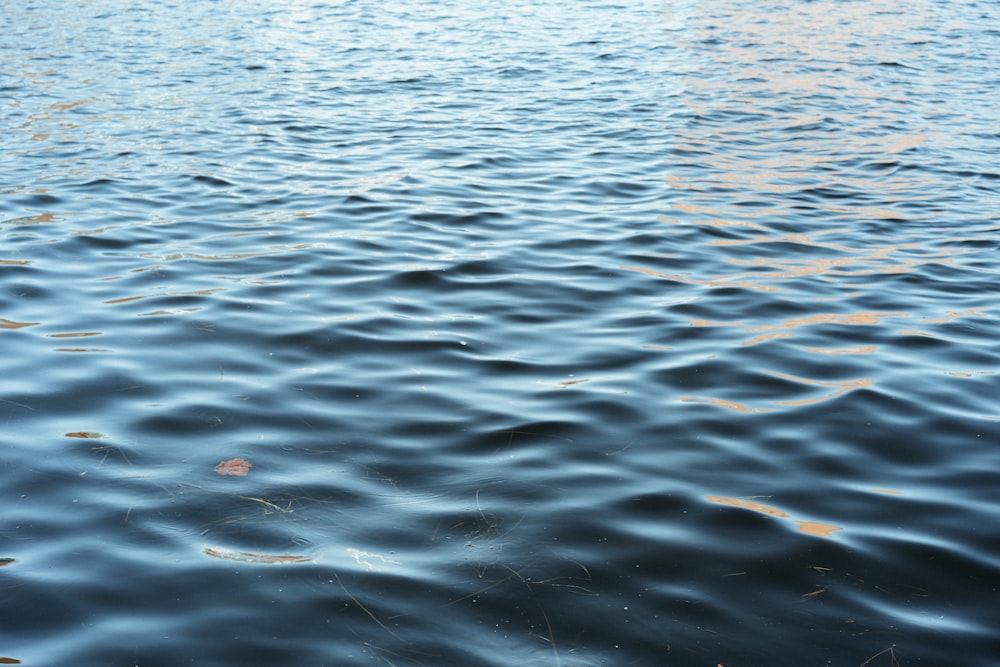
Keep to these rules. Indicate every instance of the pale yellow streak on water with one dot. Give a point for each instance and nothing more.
(840, 386)
(862, 318)
(808, 527)
(956, 314)
(794, 268)
(718, 402)
(817, 529)
(805, 239)
(762, 338)
(714, 323)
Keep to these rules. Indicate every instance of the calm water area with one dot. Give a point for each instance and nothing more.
(549, 333)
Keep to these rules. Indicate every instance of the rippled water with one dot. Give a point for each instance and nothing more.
(654, 333)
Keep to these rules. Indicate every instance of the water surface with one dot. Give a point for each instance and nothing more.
(652, 333)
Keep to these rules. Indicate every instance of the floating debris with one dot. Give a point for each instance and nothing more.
(250, 557)
(235, 467)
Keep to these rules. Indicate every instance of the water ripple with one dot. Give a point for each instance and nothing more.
(582, 334)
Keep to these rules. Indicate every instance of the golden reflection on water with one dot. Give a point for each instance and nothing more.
(841, 387)
(713, 323)
(765, 337)
(830, 259)
(956, 314)
(820, 32)
(808, 527)
(835, 388)
(747, 504)
(817, 529)
(862, 318)
(858, 263)
(716, 219)
(727, 166)
(718, 402)
(836, 266)
(802, 239)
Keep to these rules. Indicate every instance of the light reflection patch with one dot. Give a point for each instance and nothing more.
(808, 527)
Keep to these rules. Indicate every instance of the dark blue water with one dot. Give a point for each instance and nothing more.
(556, 333)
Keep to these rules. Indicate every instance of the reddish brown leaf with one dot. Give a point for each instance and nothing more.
(235, 467)
(85, 434)
(9, 661)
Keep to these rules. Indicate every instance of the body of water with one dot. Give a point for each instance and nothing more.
(545, 333)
